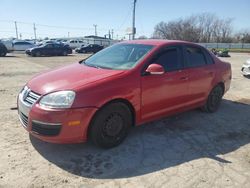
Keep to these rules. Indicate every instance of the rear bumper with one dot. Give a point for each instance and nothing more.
(56, 126)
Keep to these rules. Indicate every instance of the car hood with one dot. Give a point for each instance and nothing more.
(69, 77)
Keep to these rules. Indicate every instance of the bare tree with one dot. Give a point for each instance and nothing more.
(242, 36)
(205, 27)
(177, 30)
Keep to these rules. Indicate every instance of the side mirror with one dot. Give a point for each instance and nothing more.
(155, 69)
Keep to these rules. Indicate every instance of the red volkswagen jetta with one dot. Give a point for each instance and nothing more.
(127, 84)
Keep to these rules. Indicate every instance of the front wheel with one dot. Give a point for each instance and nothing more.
(2, 54)
(110, 125)
(214, 99)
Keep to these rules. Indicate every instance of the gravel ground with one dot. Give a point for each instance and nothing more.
(192, 149)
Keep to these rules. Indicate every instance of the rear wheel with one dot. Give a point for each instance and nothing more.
(110, 125)
(214, 99)
(65, 53)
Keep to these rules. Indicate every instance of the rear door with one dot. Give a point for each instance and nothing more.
(167, 92)
(201, 73)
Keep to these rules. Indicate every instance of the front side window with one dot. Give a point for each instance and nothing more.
(119, 56)
(195, 57)
(170, 59)
(49, 46)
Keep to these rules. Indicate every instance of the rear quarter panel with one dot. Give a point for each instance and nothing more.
(224, 73)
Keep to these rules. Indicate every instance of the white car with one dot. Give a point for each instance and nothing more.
(8, 44)
(246, 68)
(75, 43)
(22, 46)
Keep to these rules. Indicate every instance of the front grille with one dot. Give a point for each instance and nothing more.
(24, 119)
(44, 129)
(32, 97)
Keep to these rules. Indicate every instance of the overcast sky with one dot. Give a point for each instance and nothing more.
(76, 17)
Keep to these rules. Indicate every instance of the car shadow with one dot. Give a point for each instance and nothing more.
(158, 145)
(247, 76)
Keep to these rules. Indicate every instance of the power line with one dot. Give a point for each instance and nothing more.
(125, 19)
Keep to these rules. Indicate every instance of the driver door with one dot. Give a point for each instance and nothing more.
(165, 93)
(49, 49)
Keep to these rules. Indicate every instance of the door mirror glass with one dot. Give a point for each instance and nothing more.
(155, 69)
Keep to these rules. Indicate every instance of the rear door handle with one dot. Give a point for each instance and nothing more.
(184, 78)
(210, 73)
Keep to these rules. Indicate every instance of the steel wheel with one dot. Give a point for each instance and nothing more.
(110, 125)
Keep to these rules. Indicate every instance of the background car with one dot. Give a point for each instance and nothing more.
(3, 50)
(93, 48)
(246, 68)
(22, 45)
(8, 43)
(223, 53)
(75, 43)
(50, 49)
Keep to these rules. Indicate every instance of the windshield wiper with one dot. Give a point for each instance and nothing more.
(91, 65)
(96, 66)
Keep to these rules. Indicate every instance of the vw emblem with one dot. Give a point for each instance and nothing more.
(26, 93)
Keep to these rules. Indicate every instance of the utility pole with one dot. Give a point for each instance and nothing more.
(95, 29)
(112, 33)
(34, 27)
(16, 30)
(109, 34)
(133, 21)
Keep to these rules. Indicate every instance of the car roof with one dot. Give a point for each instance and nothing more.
(157, 42)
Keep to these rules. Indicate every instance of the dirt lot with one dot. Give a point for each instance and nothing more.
(193, 149)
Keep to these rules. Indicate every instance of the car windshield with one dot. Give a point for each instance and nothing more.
(119, 56)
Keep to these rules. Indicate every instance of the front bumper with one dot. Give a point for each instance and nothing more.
(55, 125)
(28, 52)
(245, 70)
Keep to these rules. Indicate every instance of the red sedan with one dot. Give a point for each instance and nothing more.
(125, 85)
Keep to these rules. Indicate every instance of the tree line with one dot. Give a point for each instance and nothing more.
(205, 27)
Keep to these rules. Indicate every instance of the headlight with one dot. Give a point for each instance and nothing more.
(60, 99)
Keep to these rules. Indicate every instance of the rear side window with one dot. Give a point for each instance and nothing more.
(170, 59)
(195, 57)
(208, 57)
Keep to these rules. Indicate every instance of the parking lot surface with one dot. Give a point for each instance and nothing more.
(192, 149)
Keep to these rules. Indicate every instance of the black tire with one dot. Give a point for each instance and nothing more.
(214, 99)
(3, 54)
(110, 125)
(65, 53)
